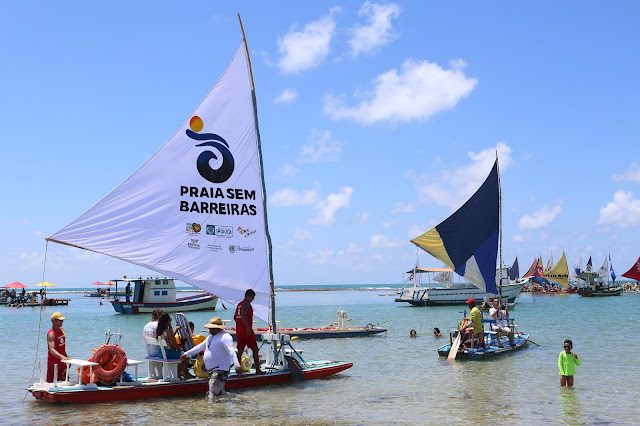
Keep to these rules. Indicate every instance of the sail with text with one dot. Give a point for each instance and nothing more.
(195, 210)
(559, 272)
(467, 241)
(634, 272)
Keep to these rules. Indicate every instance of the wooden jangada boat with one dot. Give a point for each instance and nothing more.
(225, 248)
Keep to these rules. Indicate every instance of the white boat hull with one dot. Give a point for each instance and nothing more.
(455, 295)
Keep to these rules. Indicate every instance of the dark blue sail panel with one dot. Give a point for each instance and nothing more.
(514, 272)
(473, 229)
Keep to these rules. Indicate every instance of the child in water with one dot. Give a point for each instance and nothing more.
(567, 362)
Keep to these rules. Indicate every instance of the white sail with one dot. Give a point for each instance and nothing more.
(194, 211)
(603, 272)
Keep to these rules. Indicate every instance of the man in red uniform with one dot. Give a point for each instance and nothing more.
(57, 352)
(244, 329)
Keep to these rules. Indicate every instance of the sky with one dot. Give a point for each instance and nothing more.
(377, 121)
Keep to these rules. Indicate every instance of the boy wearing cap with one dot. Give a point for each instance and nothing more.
(219, 355)
(57, 352)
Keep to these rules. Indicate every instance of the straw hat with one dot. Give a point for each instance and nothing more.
(215, 323)
(57, 316)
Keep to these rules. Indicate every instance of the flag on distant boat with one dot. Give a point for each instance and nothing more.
(589, 267)
(613, 274)
(467, 241)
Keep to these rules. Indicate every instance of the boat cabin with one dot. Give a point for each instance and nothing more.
(150, 289)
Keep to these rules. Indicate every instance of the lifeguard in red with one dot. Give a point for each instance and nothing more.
(244, 329)
(56, 340)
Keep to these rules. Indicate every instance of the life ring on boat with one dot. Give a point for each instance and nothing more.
(198, 368)
(111, 361)
(246, 363)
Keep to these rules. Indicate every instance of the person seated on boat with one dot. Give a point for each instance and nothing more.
(436, 332)
(413, 333)
(150, 331)
(56, 341)
(173, 350)
(219, 355)
(197, 338)
(500, 327)
(474, 329)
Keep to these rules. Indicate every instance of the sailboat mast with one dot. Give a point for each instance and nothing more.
(499, 233)
(264, 188)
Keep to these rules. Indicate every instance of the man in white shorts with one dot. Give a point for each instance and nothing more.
(500, 315)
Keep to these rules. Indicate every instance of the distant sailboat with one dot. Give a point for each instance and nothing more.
(597, 283)
(559, 272)
(634, 272)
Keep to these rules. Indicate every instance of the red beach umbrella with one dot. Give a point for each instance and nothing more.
(98, 283)
(15, 284)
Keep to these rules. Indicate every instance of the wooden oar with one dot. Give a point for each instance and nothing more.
(454, 348)
(453, 352)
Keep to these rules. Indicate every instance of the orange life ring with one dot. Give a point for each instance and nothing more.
(111, 361)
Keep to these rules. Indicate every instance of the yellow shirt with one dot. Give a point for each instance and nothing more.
(476, 320)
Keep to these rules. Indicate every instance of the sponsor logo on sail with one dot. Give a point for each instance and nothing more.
(193, 228)
(245, 232)
(193, 243)
(239, 249)
(219, 231)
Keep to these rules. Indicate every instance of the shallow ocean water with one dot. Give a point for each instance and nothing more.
(395, 379)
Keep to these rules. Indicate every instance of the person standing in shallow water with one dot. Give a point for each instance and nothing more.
(567, 362)
(56, 341)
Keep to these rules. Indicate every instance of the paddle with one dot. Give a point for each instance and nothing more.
(453, 352)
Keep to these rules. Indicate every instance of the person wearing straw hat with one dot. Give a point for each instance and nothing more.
(219, 356)
(56, 340)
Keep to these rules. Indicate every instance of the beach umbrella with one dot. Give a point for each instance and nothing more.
(45, 284)
(98, 283)
(15, 284)
(109, 283)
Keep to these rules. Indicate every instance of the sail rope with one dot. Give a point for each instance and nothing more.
(35, 359)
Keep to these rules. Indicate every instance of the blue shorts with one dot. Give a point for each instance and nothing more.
(171, 353)
(568, 377)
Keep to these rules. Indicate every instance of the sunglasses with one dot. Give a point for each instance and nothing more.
(567, 347)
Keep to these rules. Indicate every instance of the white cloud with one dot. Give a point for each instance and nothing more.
(418, 91)
(517, 238)
(302, 234)
(290, 197)
(633, 174)
(320, 257)
(319, 148)
(378, 31)
(401, 207)
(623, 210)
(288, 170)
(380, 241)
(453, 187)
(301, 50)
(328, 208)
(287, 96)
(353, 248)
(540, 218)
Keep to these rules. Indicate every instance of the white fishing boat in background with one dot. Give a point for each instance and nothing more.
(150, 293)
(441, 289)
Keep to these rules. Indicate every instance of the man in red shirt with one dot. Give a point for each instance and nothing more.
(244, 329)
(57, 352)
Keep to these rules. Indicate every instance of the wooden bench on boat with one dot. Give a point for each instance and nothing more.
(164, 369)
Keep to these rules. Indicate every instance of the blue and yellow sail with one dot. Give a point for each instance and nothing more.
(467, 241)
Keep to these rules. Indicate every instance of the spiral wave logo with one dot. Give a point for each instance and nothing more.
(222, 173)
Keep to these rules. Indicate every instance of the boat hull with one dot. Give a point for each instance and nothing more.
(488, 351)
(321, 333)
(600, 292)
(79, 395)
(200, 302)
(438, 296)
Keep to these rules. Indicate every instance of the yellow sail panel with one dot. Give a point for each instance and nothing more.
(431, 242)
(560, 272)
